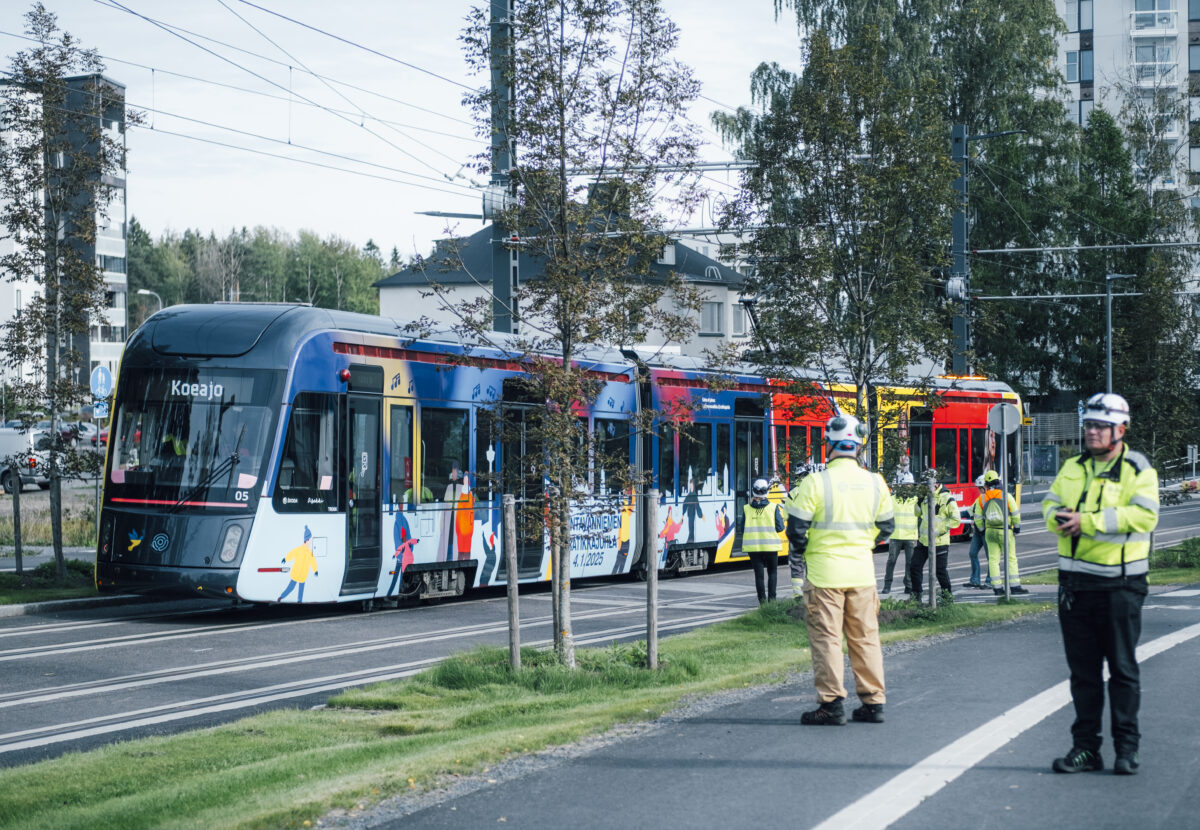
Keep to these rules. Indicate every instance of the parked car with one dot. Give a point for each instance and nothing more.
(100, 438)
(23, 447)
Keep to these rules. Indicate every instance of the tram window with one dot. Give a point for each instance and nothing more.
(978, 447)
(945, 449)
(723, 457)
(779, 459)
(920, 432)
(400, 447)
(444, 447)
(695, 458)
(964, 455)
(307, 471)
(486, 479)
(611, 455)
(666, 460)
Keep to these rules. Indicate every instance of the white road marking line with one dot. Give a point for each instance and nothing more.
(899, 796)
(1188, 593)
(180, 710)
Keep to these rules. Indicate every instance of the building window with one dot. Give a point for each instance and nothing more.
(712, 318)
(1193, 58)
(1085, 112)
(1194, 158)
(1072, 15)
(1072, 67)
(1085, 15)
(740, 327)
(18, 299)
(1193, 9)
(113, 264)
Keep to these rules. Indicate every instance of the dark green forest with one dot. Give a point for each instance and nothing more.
(252, 265)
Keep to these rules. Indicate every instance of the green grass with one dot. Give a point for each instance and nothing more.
(39, 585)
(1178, 565)
(287, 768)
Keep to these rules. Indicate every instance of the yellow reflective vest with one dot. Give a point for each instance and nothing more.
(1118, 501)
(834, 519)
(945, 517)
(760, 533)
(906, 520)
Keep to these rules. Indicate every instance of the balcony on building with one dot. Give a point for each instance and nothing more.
(1156, 74)
(1158, 23)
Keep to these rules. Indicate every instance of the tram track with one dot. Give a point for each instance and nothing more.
(259, 696)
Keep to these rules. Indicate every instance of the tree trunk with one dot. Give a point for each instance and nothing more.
(565, 634)
(56, 523)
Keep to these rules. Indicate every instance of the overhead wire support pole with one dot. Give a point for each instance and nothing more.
(959, 285)
(504, 266)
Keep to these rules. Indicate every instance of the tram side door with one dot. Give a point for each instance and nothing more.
(748, 463)
(363, 415)
(521, 476)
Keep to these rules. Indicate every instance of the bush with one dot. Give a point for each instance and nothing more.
(1184, 555)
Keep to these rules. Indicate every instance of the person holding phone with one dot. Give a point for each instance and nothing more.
(1103, 506)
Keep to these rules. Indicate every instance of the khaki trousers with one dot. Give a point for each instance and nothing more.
(854, 611)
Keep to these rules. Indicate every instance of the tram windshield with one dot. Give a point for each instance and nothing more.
(188, 438)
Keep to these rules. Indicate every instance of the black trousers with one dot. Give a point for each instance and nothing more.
(916, 566)
(1100, 626)
(765, 583)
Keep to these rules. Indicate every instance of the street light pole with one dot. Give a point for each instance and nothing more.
(1108, 278)
(146, 292)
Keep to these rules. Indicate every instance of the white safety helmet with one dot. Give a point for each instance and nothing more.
(1108, 408)
(905, 478)
(979, 481)
(760, 487)
(845, 433)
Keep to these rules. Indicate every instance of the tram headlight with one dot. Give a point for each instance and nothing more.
(231, 542)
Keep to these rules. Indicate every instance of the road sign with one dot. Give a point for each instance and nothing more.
(1004, 419)
(101, 382)
(100, 409)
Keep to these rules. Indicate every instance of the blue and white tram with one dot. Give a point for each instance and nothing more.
(278, 453)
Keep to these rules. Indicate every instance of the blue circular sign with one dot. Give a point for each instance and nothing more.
(160, 542)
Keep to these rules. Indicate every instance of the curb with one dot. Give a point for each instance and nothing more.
(49, 606)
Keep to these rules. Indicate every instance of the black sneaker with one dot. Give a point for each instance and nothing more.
(868, 713)
(970, 585)
(1079, 760)
(830, 713)
(1018, 590)
(886, 591)
(998, 592)
(1126, 764)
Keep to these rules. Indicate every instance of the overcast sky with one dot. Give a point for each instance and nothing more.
(402, 127)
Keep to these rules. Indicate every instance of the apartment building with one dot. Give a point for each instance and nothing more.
(105, 341)
(1149, 49)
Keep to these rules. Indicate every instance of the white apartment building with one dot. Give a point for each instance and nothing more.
(1114, 48)
(105, 341)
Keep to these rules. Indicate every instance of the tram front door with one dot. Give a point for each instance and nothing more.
(363, 494)
(521, 476)
(748, 463)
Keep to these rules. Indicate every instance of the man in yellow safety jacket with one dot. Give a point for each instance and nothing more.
(835, 519)
(762, 522)
(1103, 506)
(945, 518)
(991, 519)
(904, 537)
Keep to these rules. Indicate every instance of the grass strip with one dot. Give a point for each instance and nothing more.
(1176, 565)
(287, 768)
(40, 584)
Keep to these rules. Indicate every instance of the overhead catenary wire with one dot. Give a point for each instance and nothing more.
(361, 112)
(210, 82)
(171, 30)
(357, 45)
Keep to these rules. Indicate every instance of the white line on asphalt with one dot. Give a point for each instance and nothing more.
(895, 799)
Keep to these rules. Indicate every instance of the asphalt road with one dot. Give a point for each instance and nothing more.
(79, 678)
